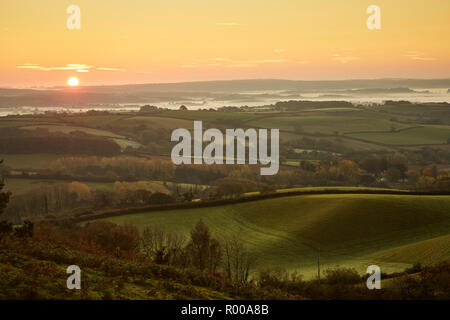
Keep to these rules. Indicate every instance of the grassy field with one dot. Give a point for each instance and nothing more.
(69, 129)
(420, 135)
(326, 124)
(157, 122)
(209, 116)
(350, 230)
(426, 252)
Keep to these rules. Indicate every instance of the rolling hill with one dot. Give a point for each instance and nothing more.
(350, 230)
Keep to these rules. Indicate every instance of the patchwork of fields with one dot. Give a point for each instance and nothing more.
(353, 230)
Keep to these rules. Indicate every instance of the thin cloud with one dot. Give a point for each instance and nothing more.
(72, 66)
(220, 59)
(110, 69)
(270, 61)
(415, 55)
(278, 50)
(30, 66)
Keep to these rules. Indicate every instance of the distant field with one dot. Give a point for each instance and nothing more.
(327, 124)
(351, 230)
(157, 122)
(374, 125)
(124, 143)
(97, 120)
(422, 135)
(11, 124)
(69, 129)
(213, 116)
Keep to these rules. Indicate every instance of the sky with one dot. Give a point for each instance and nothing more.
(154, 41)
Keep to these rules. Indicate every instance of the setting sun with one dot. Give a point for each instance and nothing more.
(73, 82)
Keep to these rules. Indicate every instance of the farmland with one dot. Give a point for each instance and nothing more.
(321, 149)
(350, 230)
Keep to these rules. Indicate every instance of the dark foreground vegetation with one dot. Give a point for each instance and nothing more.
(119, 263)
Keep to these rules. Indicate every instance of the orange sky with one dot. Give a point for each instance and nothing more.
(145, 41)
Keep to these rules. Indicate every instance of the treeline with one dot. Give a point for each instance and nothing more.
(76, 198)
(114, 168)
(133, 168)
(329, 172)
(15, 141)
(391, 170)
(293, 105)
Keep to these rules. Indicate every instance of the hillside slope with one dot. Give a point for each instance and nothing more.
(350, 230)
(34, 270)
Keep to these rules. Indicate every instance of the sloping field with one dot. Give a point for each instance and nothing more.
(350, 230)
(426, 252)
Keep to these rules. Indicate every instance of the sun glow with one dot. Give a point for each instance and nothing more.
(73, 82)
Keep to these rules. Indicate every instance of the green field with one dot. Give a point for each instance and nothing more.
(157, 122)
(420, 135)
(120, 140)
(327, 124)
(69, 129)
(427, 251)
(351, 230)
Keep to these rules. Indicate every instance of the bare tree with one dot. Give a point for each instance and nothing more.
(162, 246)
(238, 260)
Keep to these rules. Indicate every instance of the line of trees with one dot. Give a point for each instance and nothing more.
(78, 198)
(15, 141)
